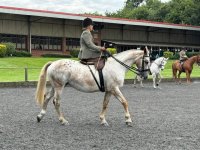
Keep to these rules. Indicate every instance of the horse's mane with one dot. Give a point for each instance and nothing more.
(124, 54)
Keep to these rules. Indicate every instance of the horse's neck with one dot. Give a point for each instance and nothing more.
(127, 57)
(192, 60)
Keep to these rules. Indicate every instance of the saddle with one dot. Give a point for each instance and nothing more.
(99, 63)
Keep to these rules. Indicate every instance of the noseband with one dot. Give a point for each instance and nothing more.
(143, 61)
(159, 65)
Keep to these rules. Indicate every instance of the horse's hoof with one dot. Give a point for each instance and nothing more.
(38, 119)
(129, 124)
(63, 121)
(105, 124)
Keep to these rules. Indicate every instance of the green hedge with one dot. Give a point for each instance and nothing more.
(168, 54)
(190, 54)
(56, 56)
(112, 50)
(2, 50)
(10, 47)
(21, 54)
(74, 52)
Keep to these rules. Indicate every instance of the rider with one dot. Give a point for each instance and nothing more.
(183, 56)
(88, 48)
(90, 53)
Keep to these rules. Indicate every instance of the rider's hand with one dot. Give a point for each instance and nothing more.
(103, 48)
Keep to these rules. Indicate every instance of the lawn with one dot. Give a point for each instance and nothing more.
(12, 69)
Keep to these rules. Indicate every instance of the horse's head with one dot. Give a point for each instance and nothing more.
(162, 62)
(145, 63)
(198, 60)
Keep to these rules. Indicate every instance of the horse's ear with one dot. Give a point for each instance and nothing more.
(167, 58)
(145, 51)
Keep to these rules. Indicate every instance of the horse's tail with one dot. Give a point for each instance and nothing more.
(41, 86)
(173, 70)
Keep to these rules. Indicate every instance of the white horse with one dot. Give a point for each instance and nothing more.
(155, 69)
(62, 72)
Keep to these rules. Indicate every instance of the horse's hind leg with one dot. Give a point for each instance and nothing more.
(48, 96)
(105, 105)
(179, 79)
(117, 93)
(57, 97)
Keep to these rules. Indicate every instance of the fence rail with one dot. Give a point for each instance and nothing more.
(32, 73)
(26, 72)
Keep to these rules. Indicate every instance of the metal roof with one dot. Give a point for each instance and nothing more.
(62, 15)
(131, 43)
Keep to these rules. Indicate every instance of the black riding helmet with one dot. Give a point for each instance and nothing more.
(87, 22)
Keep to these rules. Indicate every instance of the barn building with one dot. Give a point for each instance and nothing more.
(41, 31)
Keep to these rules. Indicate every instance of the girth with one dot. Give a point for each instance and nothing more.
(99, 63)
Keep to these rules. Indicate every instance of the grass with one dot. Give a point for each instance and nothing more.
(12, 69)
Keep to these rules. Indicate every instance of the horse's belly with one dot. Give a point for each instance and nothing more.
(83, 87)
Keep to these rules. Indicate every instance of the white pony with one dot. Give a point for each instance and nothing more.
(62, 72)
(155, 69)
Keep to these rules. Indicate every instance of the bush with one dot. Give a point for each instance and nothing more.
(174, 57)
(21, 54)
(74, 53)
(10, 47)
(168, 54)
(112, 50)
(190, 54)
(2, 50)
(56, 56)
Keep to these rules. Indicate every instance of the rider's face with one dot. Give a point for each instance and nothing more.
(90, 27)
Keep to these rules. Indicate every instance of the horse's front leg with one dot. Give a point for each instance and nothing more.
(188, 77)
(160, 79)
(117, 93)
(141, 83)
(154, 80)
(48, 96)
(105, 106)
(135, 81)
(56, 103)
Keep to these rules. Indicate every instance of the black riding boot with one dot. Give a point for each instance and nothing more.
(102, 88)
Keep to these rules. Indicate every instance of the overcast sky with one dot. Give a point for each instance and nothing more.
(70, 6)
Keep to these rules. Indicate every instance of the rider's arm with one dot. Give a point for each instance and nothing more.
(89, 42)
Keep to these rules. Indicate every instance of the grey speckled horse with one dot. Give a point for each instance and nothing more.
(62, 72)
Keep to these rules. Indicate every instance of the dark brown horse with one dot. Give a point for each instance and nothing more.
(187, 67)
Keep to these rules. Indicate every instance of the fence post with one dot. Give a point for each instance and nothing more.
(26, 74)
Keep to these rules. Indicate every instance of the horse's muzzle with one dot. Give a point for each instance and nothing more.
(145, 77)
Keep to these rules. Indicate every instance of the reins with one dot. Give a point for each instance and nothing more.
(131, 68)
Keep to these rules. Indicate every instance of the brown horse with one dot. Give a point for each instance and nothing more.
(187, 68)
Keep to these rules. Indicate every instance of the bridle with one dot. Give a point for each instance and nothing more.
(133, 69)
(161, 64)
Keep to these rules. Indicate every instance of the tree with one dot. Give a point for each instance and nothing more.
(174, 11)
(133, 3)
